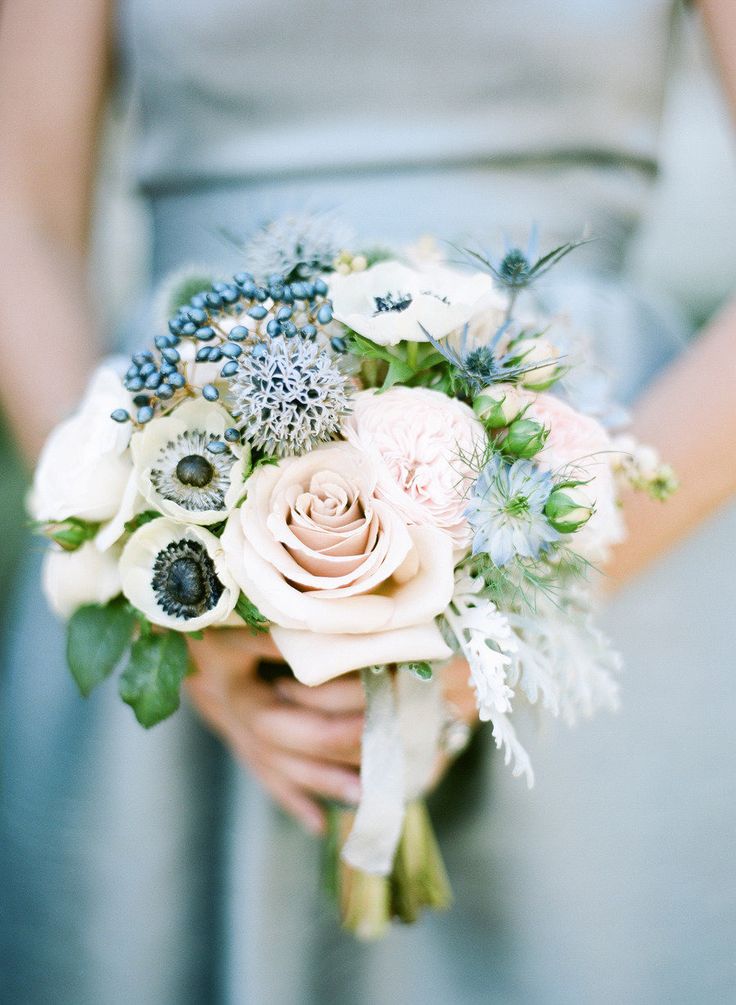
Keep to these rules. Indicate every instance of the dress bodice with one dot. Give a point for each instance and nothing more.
(268, 88)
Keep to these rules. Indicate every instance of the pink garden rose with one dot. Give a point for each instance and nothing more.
(423, 444)
(580, 447)
(344, 581)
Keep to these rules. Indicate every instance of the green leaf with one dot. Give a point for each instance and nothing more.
(398, 371)
(251, 615)
(140, 519)
(150, 683)
(97, 637)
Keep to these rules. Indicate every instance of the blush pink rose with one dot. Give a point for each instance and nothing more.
(424, 445)
(579, 447)
(344, 581)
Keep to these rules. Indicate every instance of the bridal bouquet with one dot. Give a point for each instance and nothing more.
(372, 457)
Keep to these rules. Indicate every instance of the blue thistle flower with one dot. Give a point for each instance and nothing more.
(506, 511)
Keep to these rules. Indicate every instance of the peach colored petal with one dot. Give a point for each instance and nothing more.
(316, 658)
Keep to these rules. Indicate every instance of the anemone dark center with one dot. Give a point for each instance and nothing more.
(395, 302)
(195, 470)
(185, 583)
(184, 579)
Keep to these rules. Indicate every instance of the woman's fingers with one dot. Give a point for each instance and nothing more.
(339, 696)
(290, 798)
(323, 778)
(302, 731)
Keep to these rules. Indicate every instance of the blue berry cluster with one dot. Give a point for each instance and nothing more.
(268, 310)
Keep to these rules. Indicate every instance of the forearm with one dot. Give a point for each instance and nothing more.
(46, 329)
(689, 415)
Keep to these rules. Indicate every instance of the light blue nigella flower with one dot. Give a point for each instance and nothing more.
(506, 511)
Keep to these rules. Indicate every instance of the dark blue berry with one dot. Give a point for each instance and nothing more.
(241, 278)
(232, 435)
(145, 414)
(231, 349)
(175, 325)
(320, 287)
(214, 300)
(199, 300)
(165, 391)
(215, 354)
(238, 333)
(258, 313)
(309, 331)
(141, 358)
(338, 344)
(288, 328)
(284, 313)
(205, 333)
(217, 447)
(120, 415)
(153, 380)
(203, 354)
(147, 369)
(230, 368)
(197, 315)
(230, 294)
(273, 328)
(177, 380)
(189, 328)
(171, 355)
(141, 399)
(161, 341)
(261, 294)
(135, 384)
(210, 392)
(324, 314)
(131, 372)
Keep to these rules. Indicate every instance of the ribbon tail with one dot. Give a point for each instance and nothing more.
(374, 838)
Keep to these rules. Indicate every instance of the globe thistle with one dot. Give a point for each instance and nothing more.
(289, 395)
(298, 246)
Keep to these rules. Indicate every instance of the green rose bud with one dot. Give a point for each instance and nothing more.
(525, 438)
(70, 534)
(498, 405)
(568, 508)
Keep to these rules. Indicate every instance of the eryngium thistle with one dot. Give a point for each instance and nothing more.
(291, 396)
(297, 246)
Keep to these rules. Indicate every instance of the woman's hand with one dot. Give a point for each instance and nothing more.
(301, 743)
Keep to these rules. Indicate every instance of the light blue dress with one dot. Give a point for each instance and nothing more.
(146, 867)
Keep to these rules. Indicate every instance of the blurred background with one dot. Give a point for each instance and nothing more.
(685, 248)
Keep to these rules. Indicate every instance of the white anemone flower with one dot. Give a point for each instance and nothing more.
(391, 303)
(177, 576)
(178, 475)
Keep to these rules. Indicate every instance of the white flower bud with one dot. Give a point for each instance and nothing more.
(499, 404)
(85, 576)
(538, 350)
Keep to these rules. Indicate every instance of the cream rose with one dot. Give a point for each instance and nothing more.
(84, 466)
(344, 581)
(579, 447)
(423, 444)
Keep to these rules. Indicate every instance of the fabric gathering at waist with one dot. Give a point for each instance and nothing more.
(469, 204)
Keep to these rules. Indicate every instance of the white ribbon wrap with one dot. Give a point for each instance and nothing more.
(399, 746)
